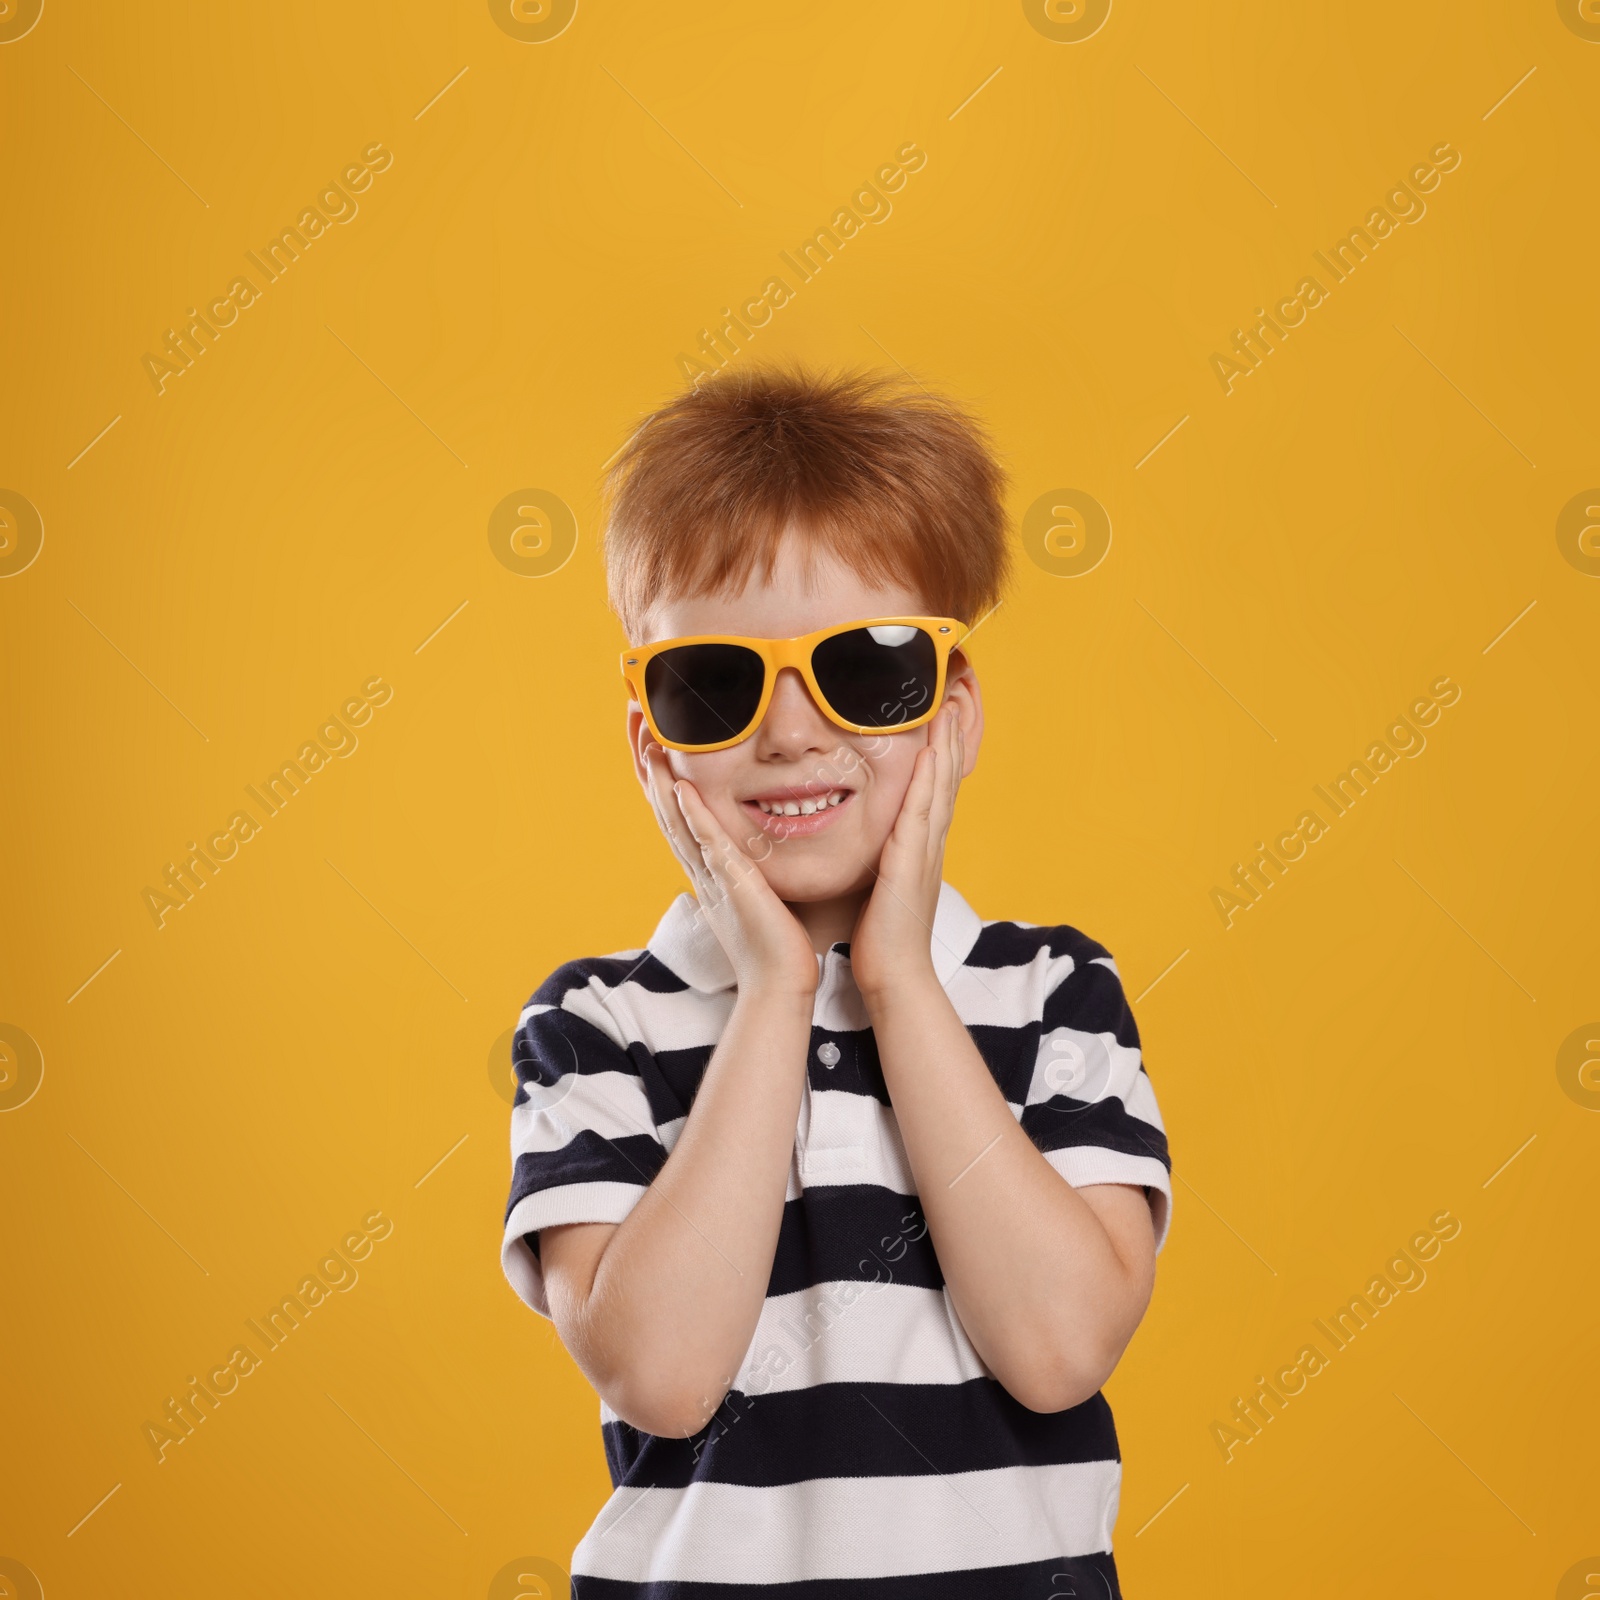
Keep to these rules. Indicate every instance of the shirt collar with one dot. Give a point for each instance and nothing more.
(684, 943)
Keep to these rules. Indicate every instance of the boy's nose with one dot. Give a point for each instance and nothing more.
(794, 722)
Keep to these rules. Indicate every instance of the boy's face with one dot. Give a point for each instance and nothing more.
(797, 753)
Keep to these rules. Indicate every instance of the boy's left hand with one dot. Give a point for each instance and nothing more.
(892, 945)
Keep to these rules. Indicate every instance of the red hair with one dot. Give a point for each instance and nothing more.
(899, 485)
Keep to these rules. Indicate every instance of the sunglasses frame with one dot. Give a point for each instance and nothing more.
(947, 634)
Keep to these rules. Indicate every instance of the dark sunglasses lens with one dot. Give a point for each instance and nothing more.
(703, 693)
(878, 677)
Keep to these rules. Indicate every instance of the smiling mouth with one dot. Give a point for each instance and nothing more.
(793, 813)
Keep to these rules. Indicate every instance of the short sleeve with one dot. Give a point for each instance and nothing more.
(1090, 1107)
(584, 1141)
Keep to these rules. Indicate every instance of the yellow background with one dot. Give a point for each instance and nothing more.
(301, 510)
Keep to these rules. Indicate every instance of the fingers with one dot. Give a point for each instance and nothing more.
(931, 799)
(723, 859)
(669, 815)
(921, 794)
(957, 761)
(707, 832)
(713, 863)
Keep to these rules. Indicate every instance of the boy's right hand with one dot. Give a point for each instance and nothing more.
(769, 950)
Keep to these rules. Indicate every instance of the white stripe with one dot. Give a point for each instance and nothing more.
(852, 1527)
(842, 1137)
(1078, 1065)
(1090, 1067)
(611, 1104)
(572, 1202)
(845, 1137)
(1007, 997)
(839, 1007)
(855, 1332)
(859, 1332)
(687, 1019)
(1140, 1102)
(1010, 997)
(855, 1138)
(1085, 1164)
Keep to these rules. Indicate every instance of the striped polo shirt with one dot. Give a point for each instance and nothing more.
(864, 1451)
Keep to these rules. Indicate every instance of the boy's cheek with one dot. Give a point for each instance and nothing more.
(745, 832)
(891, 773)
(881, 804)
(713, 778)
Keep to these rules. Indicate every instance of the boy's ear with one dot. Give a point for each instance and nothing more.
(961, 685)
(638, 741)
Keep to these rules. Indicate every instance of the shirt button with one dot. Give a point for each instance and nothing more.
(828, 1054)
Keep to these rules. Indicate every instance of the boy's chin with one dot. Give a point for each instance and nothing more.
(800, 882)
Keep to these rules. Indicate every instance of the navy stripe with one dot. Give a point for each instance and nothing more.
(853, 1233)
(858, 1069)
(1007, 944)
(680, 1072)
(551, 1044)
(556, 1044)
(644, 970)
(1059, 1123)
(865, 1430)
(587, 1158)
(1091, 1000)
(1069, 1578)
(1009, 1053)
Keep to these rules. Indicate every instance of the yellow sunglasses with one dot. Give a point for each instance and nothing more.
(709, 691)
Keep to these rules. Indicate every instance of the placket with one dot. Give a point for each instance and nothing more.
(826, 978)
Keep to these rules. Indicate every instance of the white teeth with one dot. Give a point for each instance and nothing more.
(804, 808)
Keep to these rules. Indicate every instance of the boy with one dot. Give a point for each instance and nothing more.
(789, 1180)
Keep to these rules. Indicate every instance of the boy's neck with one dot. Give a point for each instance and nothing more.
(829, 922)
